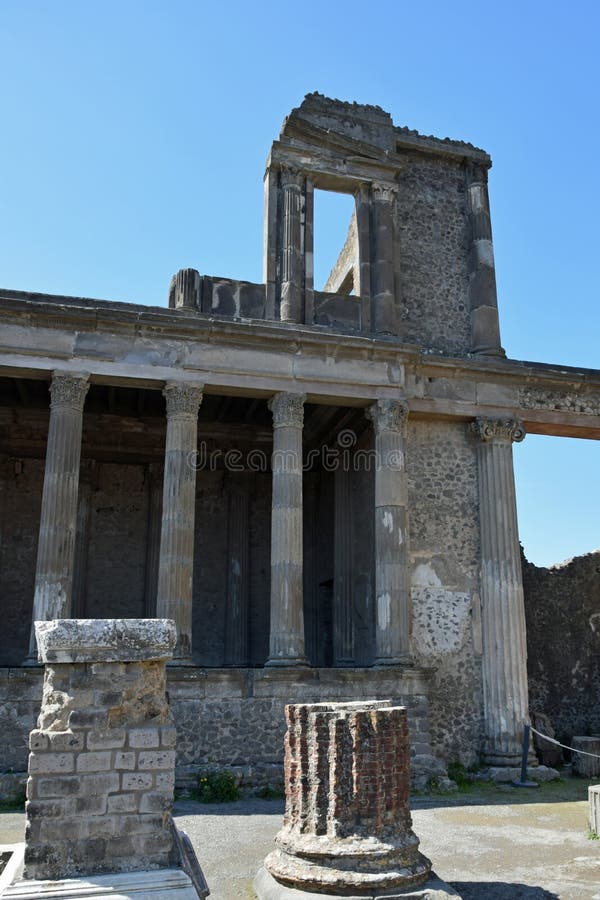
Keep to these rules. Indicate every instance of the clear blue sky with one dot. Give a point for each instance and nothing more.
(134, 136)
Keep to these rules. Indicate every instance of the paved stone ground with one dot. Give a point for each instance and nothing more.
(491, 843)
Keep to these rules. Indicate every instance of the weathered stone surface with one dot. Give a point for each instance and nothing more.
(89, 800)
(586, 763)
(104, 640)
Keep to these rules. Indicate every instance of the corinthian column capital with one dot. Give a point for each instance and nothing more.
(183, 399)
(388, 415)
(384, 192)
(287, 409)
(498, 429)
(69, 389)
(291, 177)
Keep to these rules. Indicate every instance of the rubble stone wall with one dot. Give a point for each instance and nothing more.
(433, 247)
(562, 608)
(444, 550)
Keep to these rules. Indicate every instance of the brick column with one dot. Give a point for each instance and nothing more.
(505, 690)
(392, 587)
(176, 563)
(287, 613)
(56, 545)
(347, 828)
(102, 761)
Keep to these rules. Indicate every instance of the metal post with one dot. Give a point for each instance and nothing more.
(522, 781)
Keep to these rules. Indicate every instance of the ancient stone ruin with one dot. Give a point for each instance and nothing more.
(102, 767)
(316, 485)
(347, 829)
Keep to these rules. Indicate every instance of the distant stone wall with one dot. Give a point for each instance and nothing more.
(234, 718)
(562, 607)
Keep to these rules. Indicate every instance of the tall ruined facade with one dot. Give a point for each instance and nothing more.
(317, 486)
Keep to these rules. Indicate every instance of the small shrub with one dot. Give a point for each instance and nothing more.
(593, 835)
(13, 804)
(216, 787)
(458, 773)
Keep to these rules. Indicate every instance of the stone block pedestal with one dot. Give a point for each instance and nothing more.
(102, 767)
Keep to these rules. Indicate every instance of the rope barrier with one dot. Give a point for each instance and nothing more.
(566, 747)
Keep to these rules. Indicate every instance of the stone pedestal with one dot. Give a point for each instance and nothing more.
(58, 521)
(594, 804)
(286, 646)
(102, 764)
(347, 829)
(505, 691)
(176, 562)
(584, 765)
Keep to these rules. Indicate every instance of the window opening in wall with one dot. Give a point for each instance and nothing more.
(558, 496)
(335, 248)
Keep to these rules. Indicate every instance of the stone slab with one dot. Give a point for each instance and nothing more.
(104, 640)
(13, 867)
(172, 884)
(267, 888)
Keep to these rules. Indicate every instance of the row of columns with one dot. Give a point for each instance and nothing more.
(504, 658)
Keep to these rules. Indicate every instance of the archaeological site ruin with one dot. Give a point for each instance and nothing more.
(316, 486)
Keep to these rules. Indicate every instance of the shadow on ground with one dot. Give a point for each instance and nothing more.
(568, 789)
(497, 890)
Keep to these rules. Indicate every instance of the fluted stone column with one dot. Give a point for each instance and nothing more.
(392, 585)
(343, 605)
(176, 563)
(58, 521)
(291, 246)
(287, 613)
(238, 552)
(505, 695)
(384, 316)
(485, 325)
(347, 829)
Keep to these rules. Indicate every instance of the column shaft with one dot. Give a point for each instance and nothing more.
(392, 585)
(238, 552)
(343, 599)
(291, 247)
(176, 564)
(505, 691)
(485, 325)
(287, 613)
(384, 318)
(153, 529)
(58, 521)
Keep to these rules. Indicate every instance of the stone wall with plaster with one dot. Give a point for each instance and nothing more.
(562, 608)
(444, 542)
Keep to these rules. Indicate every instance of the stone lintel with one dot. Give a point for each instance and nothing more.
(104, 640)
